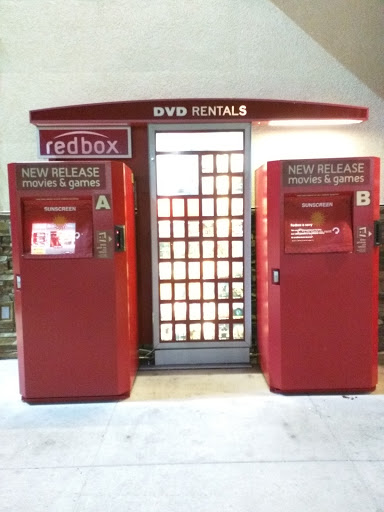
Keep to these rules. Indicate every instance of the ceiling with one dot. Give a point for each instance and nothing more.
(352, 31)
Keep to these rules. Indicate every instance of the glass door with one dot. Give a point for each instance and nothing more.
(201, 244)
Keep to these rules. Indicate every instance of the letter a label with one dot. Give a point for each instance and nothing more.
(363, 198)
(102, 203)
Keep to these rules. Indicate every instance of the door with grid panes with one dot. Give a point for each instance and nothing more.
(200, 187)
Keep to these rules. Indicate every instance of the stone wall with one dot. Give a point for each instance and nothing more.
(7, 314)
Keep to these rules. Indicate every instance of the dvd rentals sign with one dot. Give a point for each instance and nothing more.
(85, 142)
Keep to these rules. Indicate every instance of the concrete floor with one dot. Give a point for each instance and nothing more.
(201, 441)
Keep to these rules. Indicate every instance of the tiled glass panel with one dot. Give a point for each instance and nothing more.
(194, 311)
(166, 332)
(193, 207)
(194, 291)
(237, 206)
(237, 249)
(180, 291)
(193, 249)
(223, 249)
(178, 207)
(222, 163)
(193, 229)
(237, 290)
(180, 332)
(238, 310)
(195, 331)
(208, 290)
(238, 331)
(164, 228)
(223, 310)
(199, 141)
(223, 290)
(209, 310)
(237, 185)
(209, 286)
(177, 175)
(208, 249)
(207, 163)
(165, 271)
(208, 228)
(224, 332)
(180, 310)
(222, 206)
(194, 270)
(179, 250)
(208, 207)
(209, 330)
(208, 270)
(207, 185)
(165, 312)
(237, 269)
(222, 185)
(237, 227)
(163, 208)
(164, 250)
(237, 162)
(165, 291)
(178, 229)
(222, 269)
(179, 271)
(222, 228)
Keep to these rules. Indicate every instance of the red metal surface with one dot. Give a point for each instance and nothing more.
(76, 317)
(225, 109)
(318, 327)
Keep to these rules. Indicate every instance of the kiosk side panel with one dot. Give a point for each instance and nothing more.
(125, 275)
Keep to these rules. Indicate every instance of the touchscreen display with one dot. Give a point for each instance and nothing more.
(53, 239)
(58, 227)
(318, 223)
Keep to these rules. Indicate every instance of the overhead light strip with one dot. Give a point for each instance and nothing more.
(313, 122)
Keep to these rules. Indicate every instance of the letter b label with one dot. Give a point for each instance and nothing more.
(363, 198)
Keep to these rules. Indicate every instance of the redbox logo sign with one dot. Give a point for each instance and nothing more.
(85, 142)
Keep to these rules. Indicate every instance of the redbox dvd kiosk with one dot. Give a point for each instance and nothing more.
(73, 237)
(317, 274)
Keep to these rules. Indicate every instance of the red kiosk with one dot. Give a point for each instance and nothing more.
(75, 279)
(318, 274)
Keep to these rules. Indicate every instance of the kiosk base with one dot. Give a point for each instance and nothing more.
(75, 399)
(361, 391)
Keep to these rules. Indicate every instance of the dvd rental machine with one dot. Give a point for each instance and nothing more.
(318, 233)
(73, 237)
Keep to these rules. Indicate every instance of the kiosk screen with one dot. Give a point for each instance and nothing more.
(318, 223)
(58, 227)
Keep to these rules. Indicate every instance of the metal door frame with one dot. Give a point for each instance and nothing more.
(207, 352)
